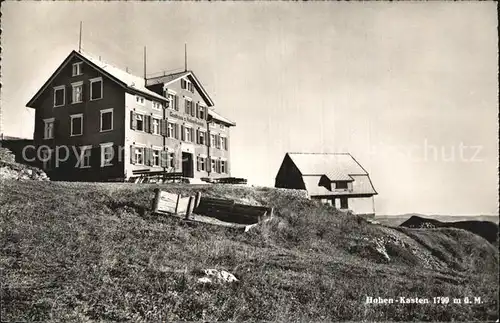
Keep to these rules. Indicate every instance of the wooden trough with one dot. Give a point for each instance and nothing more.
(222, 212)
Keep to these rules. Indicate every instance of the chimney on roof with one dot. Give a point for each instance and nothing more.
(185, 58)
(144, 65)
(80, 39)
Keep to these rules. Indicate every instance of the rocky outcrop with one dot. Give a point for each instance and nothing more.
(9, 169)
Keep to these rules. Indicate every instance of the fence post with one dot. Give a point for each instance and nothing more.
(190, 206)
(156, 200)
(197, 200)
(177, 204)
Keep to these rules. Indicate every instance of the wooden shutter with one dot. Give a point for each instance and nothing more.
(198, 163)
(183, 133)
(147, 156)
(150, 124)
(163, 128)
(133, 121)
(132, 155)
(163, 158)
(147, 123)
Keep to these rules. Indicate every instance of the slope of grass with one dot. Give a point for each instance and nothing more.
(80, 252)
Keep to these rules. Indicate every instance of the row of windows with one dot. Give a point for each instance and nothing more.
(142, 101)
(151, 157)
(157, 126)
(76, 124)
(77, 92)
(107, 154)
(159, 158)
(216, 165)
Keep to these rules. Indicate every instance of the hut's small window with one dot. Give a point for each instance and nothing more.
(340, 185)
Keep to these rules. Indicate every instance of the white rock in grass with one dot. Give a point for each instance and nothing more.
(217, 275)
(204, 280)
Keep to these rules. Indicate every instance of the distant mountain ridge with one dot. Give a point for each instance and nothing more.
(444, 218)
(485, 229)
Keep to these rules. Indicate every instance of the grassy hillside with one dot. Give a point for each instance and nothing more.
(80, 252)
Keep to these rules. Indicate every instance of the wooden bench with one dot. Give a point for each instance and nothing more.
(229, 211)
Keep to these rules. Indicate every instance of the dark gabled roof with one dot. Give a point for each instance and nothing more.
(169, 78)
(336, 167)
(124, 79)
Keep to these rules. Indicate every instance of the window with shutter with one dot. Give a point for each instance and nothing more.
(139, 155)
(139, 119)
(223, 167)
(203, 163)
(133, 121)
(132, 155)
(198, 163)
(171, 160)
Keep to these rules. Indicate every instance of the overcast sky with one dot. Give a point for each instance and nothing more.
(410, 89)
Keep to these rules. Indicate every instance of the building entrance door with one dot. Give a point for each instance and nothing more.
(187, 165)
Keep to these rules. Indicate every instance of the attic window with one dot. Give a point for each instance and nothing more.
(140, 100)
(77, 69)
(187, 85)
(341, 185)
(156, 105)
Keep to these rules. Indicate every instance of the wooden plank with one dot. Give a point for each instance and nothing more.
(165, 202)
(209, 200)
(182, 205)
